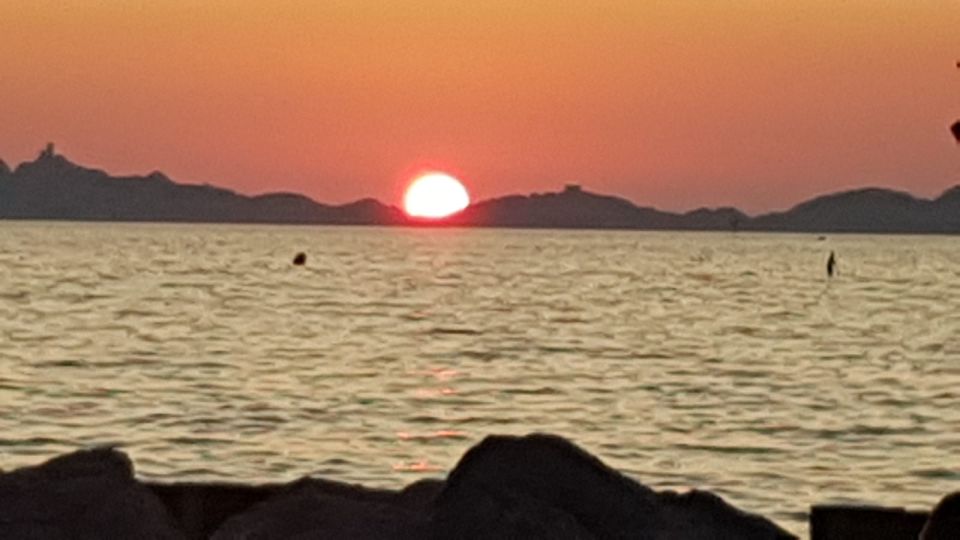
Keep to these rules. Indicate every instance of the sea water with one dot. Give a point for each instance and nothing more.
(721, 361)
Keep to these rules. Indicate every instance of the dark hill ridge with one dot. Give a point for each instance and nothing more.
(868, 210)
(574, 208)
(51, 187)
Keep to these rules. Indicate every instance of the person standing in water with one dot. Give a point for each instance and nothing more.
(831, 264)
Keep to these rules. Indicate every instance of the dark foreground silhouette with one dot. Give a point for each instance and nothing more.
(944, 524)
(538, 487)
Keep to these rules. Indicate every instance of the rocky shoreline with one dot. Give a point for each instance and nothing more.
(538, 486)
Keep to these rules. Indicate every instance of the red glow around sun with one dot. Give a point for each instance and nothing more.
(435, 195)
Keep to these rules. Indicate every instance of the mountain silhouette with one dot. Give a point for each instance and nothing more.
(574, 208)
(53, 188)
(868, 210)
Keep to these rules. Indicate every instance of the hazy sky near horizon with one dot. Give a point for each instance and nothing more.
(672, 103)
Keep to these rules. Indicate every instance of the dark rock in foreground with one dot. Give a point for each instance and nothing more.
(88, 494)
(200, 509)
(542, 486)
(538, 486)
(320, 509)
(944, 523)
(844, 522)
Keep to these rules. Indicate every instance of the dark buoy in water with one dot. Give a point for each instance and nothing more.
(831, 264)
(300, 259)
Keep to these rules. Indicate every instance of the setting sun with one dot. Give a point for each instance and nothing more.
(435, 195)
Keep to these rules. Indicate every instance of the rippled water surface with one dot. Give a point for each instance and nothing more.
(721, 361)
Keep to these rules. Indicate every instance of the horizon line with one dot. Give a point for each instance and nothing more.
(50, 151)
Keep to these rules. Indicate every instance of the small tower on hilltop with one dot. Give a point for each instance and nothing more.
(49, 151)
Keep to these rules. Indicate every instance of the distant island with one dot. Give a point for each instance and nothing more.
(53, 188)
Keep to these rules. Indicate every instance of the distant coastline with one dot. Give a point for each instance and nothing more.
(51, 187)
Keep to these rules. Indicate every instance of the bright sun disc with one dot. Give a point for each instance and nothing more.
(435, 195)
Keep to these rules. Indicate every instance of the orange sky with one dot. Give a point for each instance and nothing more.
(673, 103)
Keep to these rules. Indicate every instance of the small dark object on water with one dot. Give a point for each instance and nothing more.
(300, 259)
(831, 264)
